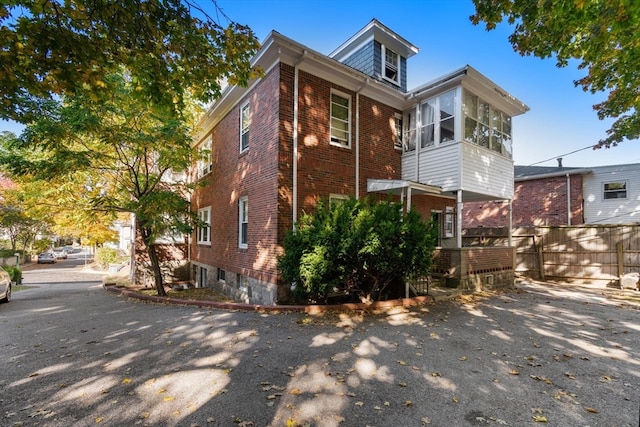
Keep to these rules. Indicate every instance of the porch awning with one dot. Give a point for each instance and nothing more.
(398, 187)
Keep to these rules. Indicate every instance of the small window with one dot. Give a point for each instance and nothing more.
(243, 223)
(204, 158)
(391, 65)
(340, 119)
(245, 122)
(204, 228)
(221, 275)
(614, 190)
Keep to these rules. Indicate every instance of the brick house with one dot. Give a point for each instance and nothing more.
(332, 126)
(559, 196)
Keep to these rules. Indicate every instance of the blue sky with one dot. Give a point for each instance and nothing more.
(561, 119)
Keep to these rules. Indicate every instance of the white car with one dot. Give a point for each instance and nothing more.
(5, 286)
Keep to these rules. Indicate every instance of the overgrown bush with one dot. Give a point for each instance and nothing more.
(362, 248)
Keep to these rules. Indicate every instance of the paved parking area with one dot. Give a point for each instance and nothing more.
(551, 355)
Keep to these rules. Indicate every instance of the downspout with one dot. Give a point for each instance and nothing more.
(568, 199)
(357, 148)
(294, 190)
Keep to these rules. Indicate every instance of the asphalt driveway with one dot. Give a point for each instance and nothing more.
(73, 354)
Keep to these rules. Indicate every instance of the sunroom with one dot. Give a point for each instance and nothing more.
(457, 135)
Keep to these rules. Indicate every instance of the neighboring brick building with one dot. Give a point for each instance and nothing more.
(318, 126)
(540, 198)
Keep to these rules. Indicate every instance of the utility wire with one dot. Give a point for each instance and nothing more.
(561, 155)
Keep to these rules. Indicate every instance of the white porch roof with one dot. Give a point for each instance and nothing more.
(400, 187)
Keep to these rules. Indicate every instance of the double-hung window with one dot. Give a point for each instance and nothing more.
(614, 190)
(391, 65)
(204, 227)
(243, 222)
(245, 122)
(340, 119)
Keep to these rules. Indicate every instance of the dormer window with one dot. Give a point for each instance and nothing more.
(391, 65)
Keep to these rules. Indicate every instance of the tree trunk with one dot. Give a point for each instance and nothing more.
(153, 258)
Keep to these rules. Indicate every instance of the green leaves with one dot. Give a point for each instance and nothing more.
(601, 35)
(61, 48)
(364, 248)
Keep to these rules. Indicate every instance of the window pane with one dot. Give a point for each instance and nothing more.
(470, 105)
(470, 130)
(506, 124)
(483, 112)
(483, 136)
(428, 112)
(426, 136)
(496, 142)
(447, 105)
(245, 140)
(245, 234)
(447, 131)
(410, 140)
(340, 129)
(507, 145)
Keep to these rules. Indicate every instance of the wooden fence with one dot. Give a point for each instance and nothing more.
(588, 253)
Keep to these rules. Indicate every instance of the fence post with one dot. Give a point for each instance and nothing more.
(619, 250)
(540, 257)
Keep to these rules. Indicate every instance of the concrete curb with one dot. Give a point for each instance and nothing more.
(309, 309)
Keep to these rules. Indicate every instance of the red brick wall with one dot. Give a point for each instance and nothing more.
(325, 169)
(253, 173)
(535, 202)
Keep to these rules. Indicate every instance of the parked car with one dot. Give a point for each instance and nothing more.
(46, 257)
(5, 286)
(60, 253)
(68, 249)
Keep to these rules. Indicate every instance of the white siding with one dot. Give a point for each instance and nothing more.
(440, 166)
(460, 165)
(486, 172)
(597, 210)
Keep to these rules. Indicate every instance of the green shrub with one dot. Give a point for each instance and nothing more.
(14, 273)
(362, 248)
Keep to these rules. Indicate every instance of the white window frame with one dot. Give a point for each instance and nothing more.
(204, 164)
(204, 233)
(606, 191)
(448, 228)
(243, 222)
(335, 140)
(389, 65)
(398, 131)
(245, 126)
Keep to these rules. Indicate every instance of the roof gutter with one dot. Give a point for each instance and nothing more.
(581, 171)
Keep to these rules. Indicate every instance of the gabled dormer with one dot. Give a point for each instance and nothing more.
(378, 52)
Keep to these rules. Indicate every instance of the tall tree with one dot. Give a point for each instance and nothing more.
(602, 35)
(170, 48)
(107, 90)
(122, 156)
